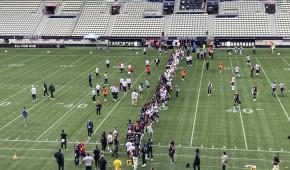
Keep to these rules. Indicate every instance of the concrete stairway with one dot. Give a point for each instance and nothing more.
(210, 28)
(176, 5)
(110, 25)
(41, 25)
(167, 20)
(273, 28)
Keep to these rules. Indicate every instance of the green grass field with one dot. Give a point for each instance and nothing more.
(250, 135)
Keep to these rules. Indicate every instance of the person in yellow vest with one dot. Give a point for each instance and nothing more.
(117, 164)
(203, 46)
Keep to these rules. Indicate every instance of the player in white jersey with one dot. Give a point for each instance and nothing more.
(98, 88)
(121, 82)
(237, 71)
(125, 84)
(147, 84)
(129, 81)
(33, 93)
(147, 62)
(257, 69)
(248, 60)
(110, 141)
(274, 86)
(233, 82)
(107, 63)
(97, 72)
(159, 50)
(141, 90)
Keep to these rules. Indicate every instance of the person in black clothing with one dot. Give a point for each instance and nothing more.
(98, 108)
(77, 154)
(252, 70)
(59, 159)
(276, 162)
(150, 149)
(45, 90)
(207, 66)
(157, 61)
(52, 90)
(116, 146)
(90, 80)
(196, 161)
(63, 139)
(96, 156)
(90, 127)
(144, 151)
(103, 142)
(103, 163)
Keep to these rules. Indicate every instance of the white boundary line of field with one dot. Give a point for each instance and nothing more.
(30, 70)
(242, 122)
(117, 104)
(158, 146)
(196, 106)
(20, 63)
(40, 80)
(157, 154)
(74, 105)
(46, 98)
(276, 95)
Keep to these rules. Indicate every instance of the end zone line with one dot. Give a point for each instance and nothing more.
(276, 95)
(42, 100)
(117, 104)
(74, 105)
(241, 117)
(196, 107)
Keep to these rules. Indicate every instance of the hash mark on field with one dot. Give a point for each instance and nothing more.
(282, 149)
(7, 138)
(224, 147)
(46, 139)
(235, 147)
(258, 148)
(179, 145)
(16, 138)
(76, 141)
(158, 144)
(270, 149)
(97, 141)
(56, 140)
(201, 146)
(212, 146)
(27, 138)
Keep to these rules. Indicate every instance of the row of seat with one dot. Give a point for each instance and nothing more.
(242, 5)
(282, 24)
(73, 5)
(58, 26)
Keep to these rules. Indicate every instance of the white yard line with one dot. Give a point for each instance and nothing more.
(117, 103)
(196, 107)
(73, 106)
(30, 70)
(275, 95)
(40, 80)
(46, 98)
(242, 122)
(286, 62)
(7, 58)
(19, 63)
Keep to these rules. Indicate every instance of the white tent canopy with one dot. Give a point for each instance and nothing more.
(92, 36)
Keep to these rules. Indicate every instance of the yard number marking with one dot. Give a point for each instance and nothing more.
(80, 106)
(245, 110)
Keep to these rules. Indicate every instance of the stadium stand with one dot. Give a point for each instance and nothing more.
(133, 8)
(188, 25)
(283, 24)
(242, 5)
(19, 6)
(18, 23)
(58, 26)
(285, 7)
(92, 20)
(136, 25)
(243, 25)
(73, 5)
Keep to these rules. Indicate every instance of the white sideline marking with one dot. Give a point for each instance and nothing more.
(161, 146)
(118, 101)
(75, 105)
(242, 122)
(20, 63)
(275, 95)
(196, 107)
(42, 100)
